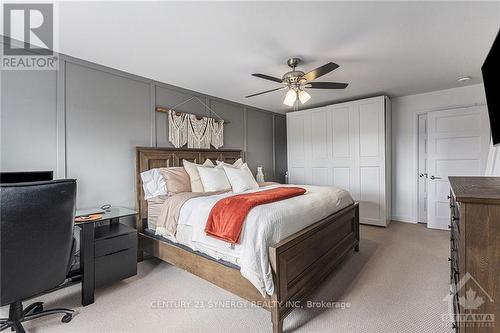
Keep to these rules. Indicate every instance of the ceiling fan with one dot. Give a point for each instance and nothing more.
(296, 81)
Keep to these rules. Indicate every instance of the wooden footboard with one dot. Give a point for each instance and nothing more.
(302, 261)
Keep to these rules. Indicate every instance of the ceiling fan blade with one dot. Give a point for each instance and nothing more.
(264, 92)
(320, 71)
(267, 77)
(326, 85)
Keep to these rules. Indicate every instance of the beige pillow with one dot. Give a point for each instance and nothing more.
(176, 180)
(237, 163)
(194, 175)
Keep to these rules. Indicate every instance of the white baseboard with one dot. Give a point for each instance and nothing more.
(405, 219)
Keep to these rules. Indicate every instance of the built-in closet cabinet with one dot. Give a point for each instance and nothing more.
(345, 145)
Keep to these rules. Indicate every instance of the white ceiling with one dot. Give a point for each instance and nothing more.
(396, 48)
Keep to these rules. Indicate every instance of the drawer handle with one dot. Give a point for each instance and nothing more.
(110, 254)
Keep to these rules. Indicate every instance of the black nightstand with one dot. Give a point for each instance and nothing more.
(108, 251)
(115, 253)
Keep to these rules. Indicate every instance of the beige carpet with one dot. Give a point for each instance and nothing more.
(396, 283)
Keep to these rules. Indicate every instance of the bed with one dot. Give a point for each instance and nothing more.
(299, 262)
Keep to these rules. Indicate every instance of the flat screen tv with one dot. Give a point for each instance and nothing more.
(24, 177)
(491, 79)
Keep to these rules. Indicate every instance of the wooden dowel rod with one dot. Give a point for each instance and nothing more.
(160, 109)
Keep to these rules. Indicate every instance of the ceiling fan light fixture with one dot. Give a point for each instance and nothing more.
(290, 97)
(304, 96)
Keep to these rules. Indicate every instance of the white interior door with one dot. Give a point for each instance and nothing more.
(458, 143)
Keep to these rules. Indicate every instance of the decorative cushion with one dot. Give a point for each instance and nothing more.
(214, 179)
(153, 184)
(194, 175)
(237, 163)
(240, 178)
(176, 179)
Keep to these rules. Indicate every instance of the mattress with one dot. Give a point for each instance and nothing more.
(184, 235)
(151, 233)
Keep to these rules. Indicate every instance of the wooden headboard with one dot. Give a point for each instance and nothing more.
(149, 158)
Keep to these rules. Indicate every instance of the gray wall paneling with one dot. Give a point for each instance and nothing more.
(85, 120)
(107, 116)
(28, 120)
(260, 141)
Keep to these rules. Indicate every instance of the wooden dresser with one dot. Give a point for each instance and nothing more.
(475, 253)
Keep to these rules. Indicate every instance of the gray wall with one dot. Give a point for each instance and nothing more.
(85, 120)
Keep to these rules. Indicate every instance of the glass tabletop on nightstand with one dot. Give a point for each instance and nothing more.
(108, 214)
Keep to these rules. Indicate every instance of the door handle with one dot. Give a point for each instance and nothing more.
(434, 177)
(423, 175)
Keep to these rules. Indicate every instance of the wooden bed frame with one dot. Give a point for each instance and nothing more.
(299, 262)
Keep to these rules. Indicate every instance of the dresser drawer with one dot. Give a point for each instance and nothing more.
(456, 314)
(115, 266)
(114, 244)
(455, 221)
(455, 238)
(455, 268)
(113, 238)
(454, 213)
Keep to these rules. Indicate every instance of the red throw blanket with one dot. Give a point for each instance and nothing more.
(227, 216)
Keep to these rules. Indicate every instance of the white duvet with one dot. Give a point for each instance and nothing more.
(264, 226)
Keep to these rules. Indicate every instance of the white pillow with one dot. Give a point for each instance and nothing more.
(153, 184)
(194, 175)
(237, 163)
(214, 179)
(241, 178)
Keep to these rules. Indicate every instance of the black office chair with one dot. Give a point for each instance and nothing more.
(37, 245)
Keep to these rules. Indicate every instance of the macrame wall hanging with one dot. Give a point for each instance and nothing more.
(177, 129)
(199, 132)
(217, 133)
(185, 128)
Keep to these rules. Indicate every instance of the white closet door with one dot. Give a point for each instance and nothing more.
(371, 163)
(342, 122)
(318, 161)
(343, 145)
(458, 143)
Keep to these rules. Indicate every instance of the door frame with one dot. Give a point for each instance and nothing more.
(418, 165)
(416, 114)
